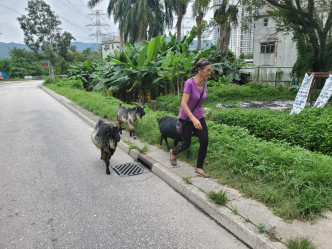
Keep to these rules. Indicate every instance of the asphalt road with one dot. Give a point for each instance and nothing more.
(55, 193)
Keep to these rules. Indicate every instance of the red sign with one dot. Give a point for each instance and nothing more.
(45, 63)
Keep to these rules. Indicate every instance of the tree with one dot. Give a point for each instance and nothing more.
(311, 18)
(138, 20)
(42, 31)
(224, 16)
(5, 65)
(24, 63)
(200, 7)
(180, 9)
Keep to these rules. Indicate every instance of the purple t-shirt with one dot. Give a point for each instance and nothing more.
(191, 88)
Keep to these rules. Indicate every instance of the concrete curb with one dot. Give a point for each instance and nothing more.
(236, 224)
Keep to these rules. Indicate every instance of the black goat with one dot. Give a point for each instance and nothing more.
(105, 136)
(130, 115)
(167, 127)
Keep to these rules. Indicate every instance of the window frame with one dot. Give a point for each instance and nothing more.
(268, 47)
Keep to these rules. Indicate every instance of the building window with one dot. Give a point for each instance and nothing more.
(267, 47)
(266, 21)
(107, 47)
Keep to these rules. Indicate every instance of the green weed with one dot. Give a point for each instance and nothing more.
(247, 219)
(234, 209)
(219, 198)
(300, 243)
(261, 228)
(187, 180)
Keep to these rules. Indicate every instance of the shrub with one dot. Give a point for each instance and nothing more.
(168, 103)
(248, 92)
(310, 129)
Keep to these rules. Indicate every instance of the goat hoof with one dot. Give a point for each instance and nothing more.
(108, 172)
(134, 137)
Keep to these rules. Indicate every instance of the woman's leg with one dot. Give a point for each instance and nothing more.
(186, 138)
(203, 137)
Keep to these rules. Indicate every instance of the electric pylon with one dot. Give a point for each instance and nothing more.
(96, 15)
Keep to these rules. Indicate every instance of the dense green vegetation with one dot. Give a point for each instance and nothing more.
(157, 67)
(28, 63)
(310, 129)
(294, 182)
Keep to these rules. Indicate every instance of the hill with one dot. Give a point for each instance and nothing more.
(6, 47)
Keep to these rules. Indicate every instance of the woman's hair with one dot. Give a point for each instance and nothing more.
(200, 65)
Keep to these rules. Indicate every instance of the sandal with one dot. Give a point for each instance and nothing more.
(173, 161)
(203, 174)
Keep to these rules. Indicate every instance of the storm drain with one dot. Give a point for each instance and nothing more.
(128, 169)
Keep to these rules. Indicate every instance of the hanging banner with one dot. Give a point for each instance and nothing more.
(302, 95)
(325, 94)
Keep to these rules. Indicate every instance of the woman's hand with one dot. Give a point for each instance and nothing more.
(197, 124)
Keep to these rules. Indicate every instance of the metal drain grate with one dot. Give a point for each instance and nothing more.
(128, 169)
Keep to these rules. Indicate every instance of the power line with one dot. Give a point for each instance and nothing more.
(11, 9)
(74, 9)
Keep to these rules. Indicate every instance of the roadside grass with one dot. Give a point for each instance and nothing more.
(219, 198)
(294, 182)
(187, 180)
(15, 79)
(300, 243)
(261, 228)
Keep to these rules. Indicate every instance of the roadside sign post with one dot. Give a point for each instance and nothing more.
(46, 63)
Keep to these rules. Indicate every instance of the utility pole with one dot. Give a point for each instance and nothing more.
(96, 15)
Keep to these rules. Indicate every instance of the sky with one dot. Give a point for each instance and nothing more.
(75, 15)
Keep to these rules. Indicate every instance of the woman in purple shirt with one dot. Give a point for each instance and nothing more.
(194, 121)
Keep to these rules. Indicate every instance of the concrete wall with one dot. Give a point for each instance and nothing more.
(272, 75)
(109, 45)
(284, 54)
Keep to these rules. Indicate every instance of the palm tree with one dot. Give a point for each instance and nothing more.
(138, 20)
(224, 16)
(200, 7)
(180, 9)
(144, 20)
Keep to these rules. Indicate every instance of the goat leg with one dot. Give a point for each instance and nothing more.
(106, 159)
(120, 126)
(132, 133)
(108, 172)
(168, 148)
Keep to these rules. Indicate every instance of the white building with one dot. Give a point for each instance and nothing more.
(272, 48)
(108, 45)
(241, 41)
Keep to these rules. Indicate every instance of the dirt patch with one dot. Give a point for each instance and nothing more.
(273, 105)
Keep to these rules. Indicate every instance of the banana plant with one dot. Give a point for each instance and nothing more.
(132, 68)
(174, 69)
(84, 72)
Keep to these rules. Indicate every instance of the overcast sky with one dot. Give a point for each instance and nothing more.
(74, 15)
